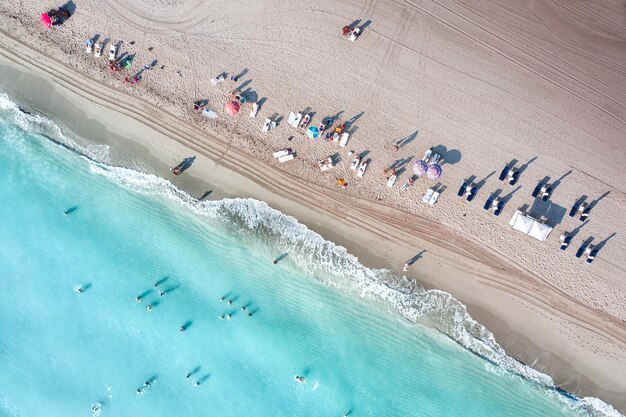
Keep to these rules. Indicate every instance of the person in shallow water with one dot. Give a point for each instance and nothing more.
(300, 379)
(182, 329)
(149, 307)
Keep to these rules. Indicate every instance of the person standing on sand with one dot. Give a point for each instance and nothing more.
(406, 266)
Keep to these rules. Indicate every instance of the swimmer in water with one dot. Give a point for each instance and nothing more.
(228, 317)
(139, 391)
(161, 293)
(146, 384)
(274, 261)
(221, 317)
(182, 329)
(222, 299)
(79, 289)
(188, 375)
(156, 284)
(249, 314)
(195, 384)
(66, 212)
(138, 299)
(299, 378)
(244, 308)
(149, 307)
(230, 302)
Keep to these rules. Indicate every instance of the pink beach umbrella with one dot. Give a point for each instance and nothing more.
(45, 20)
(232, 107)
(419, 168)
(434, 171)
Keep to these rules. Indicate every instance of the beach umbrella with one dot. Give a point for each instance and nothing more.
(45, 20)
(419, 168)
(312, 132)
(434, 171)
(232, 107)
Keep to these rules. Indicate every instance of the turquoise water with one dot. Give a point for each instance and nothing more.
(318, 313)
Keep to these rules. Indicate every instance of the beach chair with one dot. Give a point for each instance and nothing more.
(427, 155)
(285, 158)
(266, 125)
(282, 152)
(391, 181)
(513, 176)
(471, 192)
(296, 121)
(305, 121)
(497, 206)
(462, 189)
(565, 239)
(546, 191)
(487, 205)
(112, 52)
(592, 254)
(355, 34)
(325, 164)
(355, 162)
(537, 189)
(344, 139)
(580, 250)
(255, 110)
(88, 46)
(435, 158)
(97, 52)
(362, 168)
(504, 173)
(585, 214)
(429, 193)
(433, 199)
(291, 119)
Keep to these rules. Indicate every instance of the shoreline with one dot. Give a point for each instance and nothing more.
(359, 225)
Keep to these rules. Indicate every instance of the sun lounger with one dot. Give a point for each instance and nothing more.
(255, 110)
(97, 50)
(427, 155)
(513, 176)
(210, 114)
(471, 192)
(282, 152)
(266, 125)
(585, 214)
(344, 140)
(580, 250)
(305, 121)
(428, 195)
(435, 158)
(433, 199)
(88, 46)
(497, 207)
(285, 158)
(574, 209)
(325, 164)
(592, 255)
(487, 205)
(362, 168)
(545, 193)
(391, 181)
(565, 239)
(537, 189)
(296, 121)
(355, 34)
(462, 189)
(355, 162)
(112, 52)
(504, 173)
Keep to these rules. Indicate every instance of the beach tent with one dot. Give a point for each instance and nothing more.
(530, 226)
(312, 132)
(45, 20)
(232, 107)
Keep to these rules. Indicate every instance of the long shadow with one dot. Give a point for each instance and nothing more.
(523, 168)
(144, 294)
(253, 312)
(241, 74)
(194, 371)
(332, 119)
(558, 181)
(70, 7)
(205, 195)
(186, 163)
(574, 232)
(204, 378)
(508, 197)
(353, 119)
(364, 154)
(243, 85)
(597, 200)
(161, 281)
(401, 167)
(186, 325)
(482, 182)
(600, 245)
(281, 257)
(408, 139)
(577, 204)
(366, 24)
(354, 24)
(261, 102)
(417, 257)
(171, 288)
(450, 157)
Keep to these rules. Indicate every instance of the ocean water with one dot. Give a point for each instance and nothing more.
(365, 341)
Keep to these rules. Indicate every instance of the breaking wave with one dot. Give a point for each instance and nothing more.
(331, 264)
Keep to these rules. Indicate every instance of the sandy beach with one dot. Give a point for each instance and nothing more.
(484, 83)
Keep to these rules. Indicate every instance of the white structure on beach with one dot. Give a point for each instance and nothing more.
(530, 226)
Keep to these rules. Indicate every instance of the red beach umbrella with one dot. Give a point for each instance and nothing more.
(46, 21)
(232, 107)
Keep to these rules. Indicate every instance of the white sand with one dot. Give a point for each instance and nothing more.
(485, 82)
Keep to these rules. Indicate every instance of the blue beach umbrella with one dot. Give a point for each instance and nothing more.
(312, 132)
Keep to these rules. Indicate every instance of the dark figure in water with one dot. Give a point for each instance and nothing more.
(162, 293)
(188, 375)
(182, 329)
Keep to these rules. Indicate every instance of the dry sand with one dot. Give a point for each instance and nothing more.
(484, 82)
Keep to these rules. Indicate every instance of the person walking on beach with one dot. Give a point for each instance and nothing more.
(406, 266)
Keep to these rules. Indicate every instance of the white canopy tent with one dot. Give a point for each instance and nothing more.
(530, 226)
